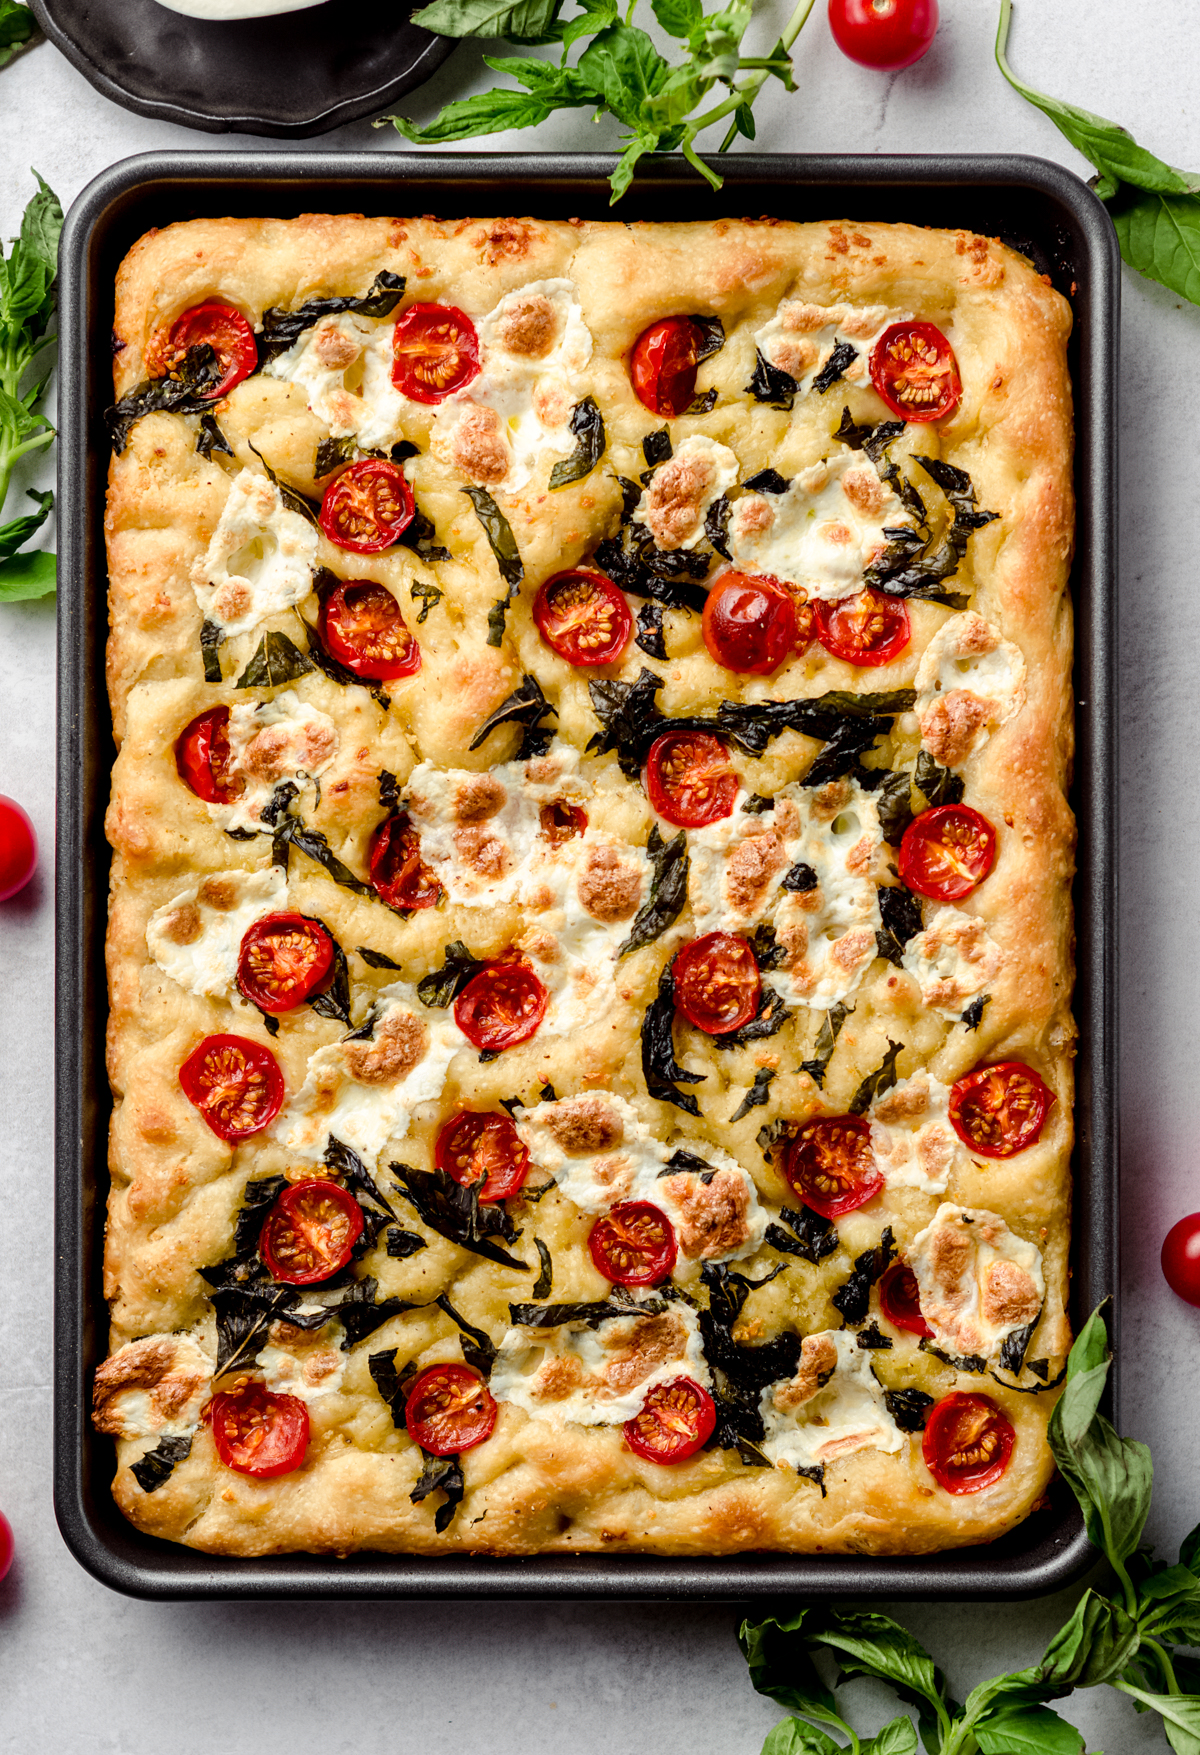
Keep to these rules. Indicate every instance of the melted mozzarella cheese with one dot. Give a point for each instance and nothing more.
(366, 1092)
(809, 1426)
(970, 681)
(344, 366)
(313, 1371)
(195, 937)
(978, 1283)
(736, 873)
(677, 498)
(952, 961)
(823, 532)
(800, 338)
(600, 1376)
(528, 386)
(600, 1153)
(169, 1378)
(911, 1136)
(270, 741)
(260, 560)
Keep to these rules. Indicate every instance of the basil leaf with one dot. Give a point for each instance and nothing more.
(869, 1644)
(772, 385)
(17, 27)
(544, 1283)
(494, 112)
(526, 21)
(1095, 1645)
(892, 789)
(282, 329)
(293, 501)
(335, 1001)
(827, 1035)
(660, 1069)
(834, 368)
(938, 785)
(791, 1736)
(345, 1162)
(526, 706)
(973, 1016)
(771, 1016)
(418, 537)
(479, 1350)
(1028, 1731)
(1110, 1476)
(873, 1339)
(361, 1311)
(800, 878)
(25, 577)
(853, 1298)
(716, 526)
(392, 1385)
(210, 438)
(587, 424)
(440, 1474)
(152, 1469)
(909, 1408)
(401, 1244)
(1016, 1345)
(276, 660)
(769, 481)
(901, 915)
(503, 544)
(291, 832)
(456, 1213)
(758, 1094)
(650, 631)
(189, 391)
(668, 891)
(780, 1664)
(429, 595)
(245, 1314)
(590, 1314)
(441, 986)
(1180, 1713)
(333, 454)
(877, 1082)
(897, 1738)
(622, 66)
(712, 332)
(375, 959)
(656, 449)
(809, 1235)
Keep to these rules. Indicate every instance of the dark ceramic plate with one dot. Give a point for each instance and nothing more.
(294, 74)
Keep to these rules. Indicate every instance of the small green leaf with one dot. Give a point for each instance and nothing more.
(875, 1645)
(1181, 1713)
(523, 22)
(744, 117)
(791, 1737)
(678, 18)
(1110, 1476)
(26, 576)
(1095, 1645)
(780, 1666)
(17, 532)
(1025, 1732)
(622, 66)
(17, 27)
(627, 163)
(897, 1738)
(488, 112)
(1189, 1551)
(1159, 236)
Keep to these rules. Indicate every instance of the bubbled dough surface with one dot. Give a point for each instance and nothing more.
(176, 1188)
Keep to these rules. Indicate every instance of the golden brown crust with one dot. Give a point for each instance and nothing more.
(540, 1485)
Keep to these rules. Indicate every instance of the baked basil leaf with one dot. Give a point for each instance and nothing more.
(1016, 1345)
(973, 1016)
(375, 959)
(152, 1469)
(901, 915)
(668, 891)
(290, 831)
(827, 1035)
(418, 537)
(333, 454)
(650, 631)
(758, 1094)
(210, 438)
(526, 706)
(441, 986)
(916, 563)
(716, 526)
(712, 337)
(877, 1082)
(872, 1339)
(429, 595)
(587, 424)
(211, 638)
(800, 879)
(909, 1408)
(544, 1283)
(345, 1162)
(440, 1474)
(671, 577)
(771, 384)
(892, 789)
(401, 1244)
(853, 1297)
(276, 660)
(747, 1370)
(657, 448)
(503, 543)
(457, 1213)
(834, 368)
(361, 1311)
(282, 329)
(335, 1001)
(809, 1235)
(769, 481)
(191, 389)
(973, 1362)
(293, 501)
(660, 1069)
(392, 1385)
(479, 1350)
(245, 1314)
(772, 1015)
(938, 785)
(590, 1314)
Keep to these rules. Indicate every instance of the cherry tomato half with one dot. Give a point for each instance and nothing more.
(947, 852)
(363, 628)
(717, 983)
(750, 623)
(501, 1006)
(967, 1444)
(583, 617)
(235, 1083)
(674, 1422)
(914, 369)
(202, 758)
(484, 1152)
(399, 876)
(900, 1299)
(18, 847)
(435, 351)
(449, 1409)
(6, 1545)
(662, 366)
(257, 1432)
(634, 1244)
(867, 629)
(831, 1166)
(310, 1232)
(889, 34)
(560, 821)
(367, 507)
(283, 960)
(1181, 1259)
(219, 326)
(689, 779)
(999, 1110)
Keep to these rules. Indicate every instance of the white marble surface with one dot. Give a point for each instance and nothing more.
(84, 1671)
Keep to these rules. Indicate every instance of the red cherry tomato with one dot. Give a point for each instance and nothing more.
(900, 1299)
(435, 351)
(18, 848)
(310, 1232)
(717, 983)
(914, 369)
(889, 34)
(1181, 1259)
(449, 1409)
(363, 628)
(398, 874)
(583, 617)
(947, 852)
(867, 629)
(225, 330)
(689, 779)
(968, 1443)
(501, 1006)
(831, 1166)
(634, 1244)
(561, 821)
(257, 1432)
(484, 1152)
(235, 1083)
(750, 623)
(368, 507)
(674, 1422)
(6, 1545)
(202, 758)
(283, 960)
(999, 1110)
(662, 366)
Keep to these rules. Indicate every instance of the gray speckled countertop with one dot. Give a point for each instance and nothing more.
(90, 1673)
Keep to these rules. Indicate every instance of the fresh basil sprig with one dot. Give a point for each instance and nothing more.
(1155, 208)
(620, 73)
(18, 26)
(1122, 1634)
(27, 303)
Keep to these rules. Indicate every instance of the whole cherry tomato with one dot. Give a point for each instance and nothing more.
(662, 366)
(750, 623)
(18, 848)
(6, 1545)
(1181, 1259)
(888, 34)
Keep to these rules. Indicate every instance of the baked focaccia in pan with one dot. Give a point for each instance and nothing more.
(590, 942)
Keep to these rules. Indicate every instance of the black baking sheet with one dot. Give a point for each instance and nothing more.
(1040, 208)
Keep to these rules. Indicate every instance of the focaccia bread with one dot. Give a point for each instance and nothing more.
(488, 913)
